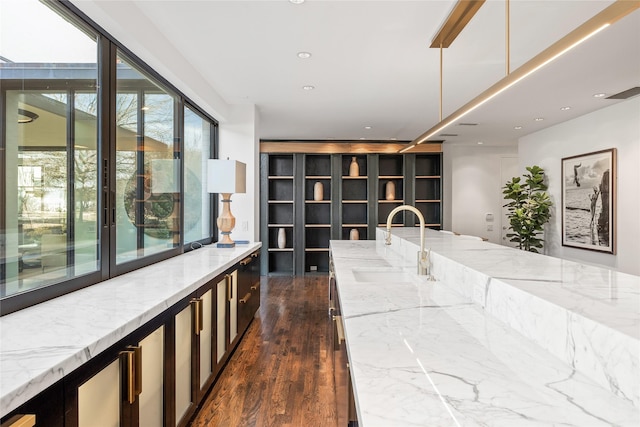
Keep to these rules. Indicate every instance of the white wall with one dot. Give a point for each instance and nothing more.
(618, 127)
(239, 140)
(473, 188)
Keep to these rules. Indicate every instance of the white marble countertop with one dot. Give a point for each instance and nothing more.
(39, 345)
(439, 353)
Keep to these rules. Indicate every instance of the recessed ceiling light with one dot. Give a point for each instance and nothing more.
(538, 119)
(145, 108)
(296, 1)
(363, 138)
(480, 142)
(567, 108)
(304, 55)
(308, 87)
(367, 127)
(517, 127)
(393, 138)
(599, 95)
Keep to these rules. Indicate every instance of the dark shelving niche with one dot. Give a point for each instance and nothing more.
(318, 213)
(317, 165)
(273, 237)
(382, 189)
(317, 238)
(385, 209)
(430, 211)
(281, 189)
(354, 189)
(390, 165)
(319, 260)
(281, 213)
(427, 189)
(428, 165)
(281, 263)
(281, 165)
(354, 213)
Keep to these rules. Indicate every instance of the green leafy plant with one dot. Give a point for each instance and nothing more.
(529, 209)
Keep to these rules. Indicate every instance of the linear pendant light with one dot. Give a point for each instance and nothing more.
(597, 23)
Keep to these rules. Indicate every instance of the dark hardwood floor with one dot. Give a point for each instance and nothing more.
(281, 374)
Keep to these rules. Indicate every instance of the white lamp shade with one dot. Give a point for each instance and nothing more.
(226, 176)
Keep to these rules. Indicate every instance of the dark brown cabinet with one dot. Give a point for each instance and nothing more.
(159, 374)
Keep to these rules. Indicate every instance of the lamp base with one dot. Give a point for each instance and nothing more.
(226, 245)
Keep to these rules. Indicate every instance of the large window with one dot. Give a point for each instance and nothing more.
(147, 184)
(50, 146)
(94, 182)
(198, 134)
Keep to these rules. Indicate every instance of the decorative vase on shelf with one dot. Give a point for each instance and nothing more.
(282, 238)
(354, 169)
(354, 234)
(390, 191)
(318, 191)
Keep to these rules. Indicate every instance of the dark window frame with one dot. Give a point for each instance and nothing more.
(107, 48)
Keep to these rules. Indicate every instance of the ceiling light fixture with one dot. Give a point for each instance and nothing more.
(599, 95)
(517, 127)
(308, 87)
(585, 31)
(304, 55)
(26, 116)
(296, 1)
(367, 127)
(567, 108)
(538, 119)
(480, 142)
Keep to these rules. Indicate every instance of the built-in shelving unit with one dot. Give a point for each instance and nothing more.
(390, 172)
(348, 203)
(317, 213)
(280, 213)
(354, 198)
(428, 188)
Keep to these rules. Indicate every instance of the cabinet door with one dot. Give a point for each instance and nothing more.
(151, 398)
(206, 344)
(99, 398)
(233, 307)
(221, 321)
(183, 364)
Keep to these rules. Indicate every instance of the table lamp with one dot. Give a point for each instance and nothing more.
(226, 177)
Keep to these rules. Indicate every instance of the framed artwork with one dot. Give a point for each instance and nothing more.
(589, 201)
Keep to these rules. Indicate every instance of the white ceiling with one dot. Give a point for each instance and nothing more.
(371, 64)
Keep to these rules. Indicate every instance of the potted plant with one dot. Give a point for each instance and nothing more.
(529, 208)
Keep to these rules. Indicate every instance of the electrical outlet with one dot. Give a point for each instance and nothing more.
(313, 268)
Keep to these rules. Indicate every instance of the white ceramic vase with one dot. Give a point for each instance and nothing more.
(354, 169)
(318, 191)
(282, 238)
(390, 190)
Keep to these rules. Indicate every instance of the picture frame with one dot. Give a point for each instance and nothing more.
(589, 201)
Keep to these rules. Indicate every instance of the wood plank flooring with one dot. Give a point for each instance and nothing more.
(281, 374)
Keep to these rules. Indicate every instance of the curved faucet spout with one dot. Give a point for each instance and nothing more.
(423, 257)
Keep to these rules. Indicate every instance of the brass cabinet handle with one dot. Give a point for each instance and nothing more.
(255, 287)
(127, 362)
(137, 355)
(198, 314)
(27, 420)
(229, 279)
(245, 261)
(255, 254)
(339, 328)
(244, 299)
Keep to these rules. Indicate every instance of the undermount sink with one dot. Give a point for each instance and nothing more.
(381, 274)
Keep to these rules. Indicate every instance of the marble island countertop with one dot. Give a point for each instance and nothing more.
(39, 345)
(440, 354)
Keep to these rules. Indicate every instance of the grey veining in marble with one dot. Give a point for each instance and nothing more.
(430, 353)
(41, 344)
